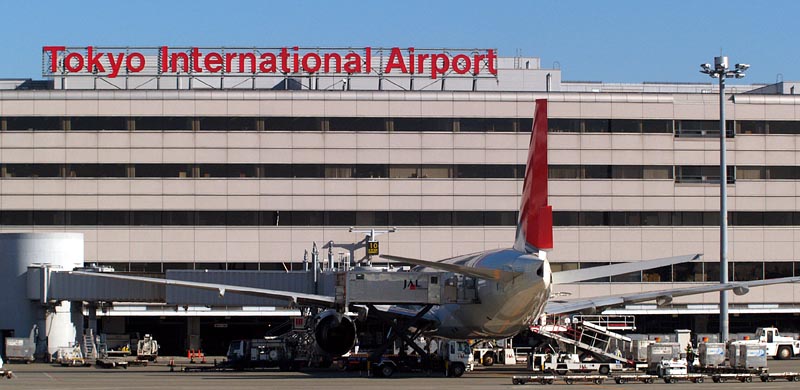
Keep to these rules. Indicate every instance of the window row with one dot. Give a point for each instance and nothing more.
(158, 267)
(693, 272)
(387, 218)
(331, 171)
(674, 218)
(256, 218)
(680, 127)
(682, 174)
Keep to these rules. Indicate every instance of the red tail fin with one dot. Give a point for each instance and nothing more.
(535, 227)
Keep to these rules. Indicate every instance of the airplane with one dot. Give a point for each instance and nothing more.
(513, 285)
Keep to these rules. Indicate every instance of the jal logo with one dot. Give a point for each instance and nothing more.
(410, 284)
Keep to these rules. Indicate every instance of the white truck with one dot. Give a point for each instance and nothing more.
(565, 363)
(778, 347)
(147, 349)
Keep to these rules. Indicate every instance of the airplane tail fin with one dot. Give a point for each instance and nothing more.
(535, 226)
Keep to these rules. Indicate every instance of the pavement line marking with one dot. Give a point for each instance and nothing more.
(48, 375)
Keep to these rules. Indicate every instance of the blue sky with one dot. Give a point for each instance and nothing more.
(612, 41)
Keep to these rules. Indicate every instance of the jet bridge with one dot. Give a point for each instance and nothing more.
(407, 288)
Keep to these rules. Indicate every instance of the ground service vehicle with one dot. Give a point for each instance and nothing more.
(147, 349)
(564, 363)
(778, 347)
(451, 357)
(492, 352)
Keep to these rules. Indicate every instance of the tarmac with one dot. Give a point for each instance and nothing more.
(158, 376)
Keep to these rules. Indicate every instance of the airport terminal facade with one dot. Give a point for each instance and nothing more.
(225, 173)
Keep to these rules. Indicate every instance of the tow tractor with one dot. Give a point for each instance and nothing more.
(778, 347)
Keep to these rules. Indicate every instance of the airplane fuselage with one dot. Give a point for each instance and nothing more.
(501, 309)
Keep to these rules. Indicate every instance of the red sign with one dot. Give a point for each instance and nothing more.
(61, 60)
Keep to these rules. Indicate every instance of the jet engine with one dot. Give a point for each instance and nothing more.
(335, 333)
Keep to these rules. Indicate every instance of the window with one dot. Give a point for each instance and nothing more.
(657, 126)
(372, 218)
(241, 218)
(597, 171)
(687, 272)
(701, 128)
(33, 123)
(339, 171)
(357, 124)
(403, 171)
(212, 170)
(702, 174)
(751, 173)
(594, 218)
(99, 123)
(747, 270)
(240, 170)
(558, 267)
(210, 266)
(117, 267)
(270, 218)
(404, 218)
(146, 218)
(596, 125)
(627, 171)
(308, 170)
(217, 123)
(340, 218)
(423, 124)
(151, 268)
(436, 218)
(436, 171)
(178, 218)
(293, 123)
(656, 218)
(211, 218)
(486, 124)
(97, 170)
(243, 266)
(654, 172)
(782, 173)
(776, 218)
(776, 269)
(175, 170)
(307, 218)
(46, 218)
(169, 266)
(82, 218)
(470, 171)
(467, 218)
(626, 126)
(500, 218)
(114, 218)
(14, 217)
(159, 123)
(564, 172)
(566, 218)
(747, 218)
(371, 170)
(557, 125)
(278, 170)
(660, 274)
(751, 127)
(783, 127)
(497, 171)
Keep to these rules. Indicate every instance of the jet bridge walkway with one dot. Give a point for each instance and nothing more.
(594, 334)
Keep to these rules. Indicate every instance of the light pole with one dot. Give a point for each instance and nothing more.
(720, 71)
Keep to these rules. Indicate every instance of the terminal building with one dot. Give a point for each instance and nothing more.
(247, 173)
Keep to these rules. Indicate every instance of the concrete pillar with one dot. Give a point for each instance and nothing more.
(193, 333)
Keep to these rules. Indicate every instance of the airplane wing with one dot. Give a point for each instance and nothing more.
(481, 273)
(293, 297)
(662, 296)
(580, 275)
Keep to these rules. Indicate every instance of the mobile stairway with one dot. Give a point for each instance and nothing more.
(595, 334)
